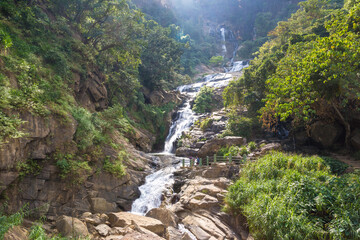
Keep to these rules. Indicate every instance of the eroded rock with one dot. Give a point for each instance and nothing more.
(123, 219)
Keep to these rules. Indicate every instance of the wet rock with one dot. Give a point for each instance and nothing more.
(123, 219)
(164, 215)
(326, 134)
(71, 227)
(173, 234)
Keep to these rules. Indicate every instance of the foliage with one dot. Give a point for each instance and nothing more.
(239, 126)
(243, 151)
(72, 168)
(226, 151)
(252, 146)
(29, 167)
(336, 166)
(216, 60)
(206, 123)
(7, 222)
(294, 197)
(204, 100)
(37, 232)
(115, 167)
(160, 59)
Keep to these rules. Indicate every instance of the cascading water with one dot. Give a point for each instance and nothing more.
(223, 38)
(158, 182)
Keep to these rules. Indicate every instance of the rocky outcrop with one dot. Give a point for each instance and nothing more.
(326, 134)
(90, 90)
(213, 146)
(162, 97)
(164, 215)
(199, 206)
(43, 136)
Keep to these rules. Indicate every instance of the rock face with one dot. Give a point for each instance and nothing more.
(16, 233)
(44, 136)
(123, 219)
(91, 91)
(49, 195)
(325, 134)
(71, 227)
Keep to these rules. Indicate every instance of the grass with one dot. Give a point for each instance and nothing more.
(295, 197)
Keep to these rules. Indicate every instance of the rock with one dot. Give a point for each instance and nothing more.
(71, 227)
(269, 147)
(91, 92)
(100, 205)
(355, 139)
(140, 236)
(301, 138)
(213, 146)
(167, 217)
(173, 234)
(103, 229)
(326, 134)
(186, 152)
(123, 219)
(86, 215)
(16, 233)
(114, 237)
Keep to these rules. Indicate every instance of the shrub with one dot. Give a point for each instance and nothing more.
(216, 60)
(252, 146)
(241, 126)
(115, 167)
(243, 151)
(204, 100)
(294, 197)
(72, 168)
(206, 123)
(7, 222)
(29, 167)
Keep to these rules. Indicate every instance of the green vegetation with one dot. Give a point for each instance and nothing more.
(115, 167)
(307, 71)
(216, 61)
(204, 100)
(29, 167)
(294, 197)
(73, 168)
(7, 222)
(204, 123)
(252, 146)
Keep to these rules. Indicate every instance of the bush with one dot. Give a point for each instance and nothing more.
(7, 222)
(115, 167)
(204, 100)
(244, 151)
(216, 61)
(72, 168)
(294, 197)
(241, 126)
(252, 146)
(206, 123)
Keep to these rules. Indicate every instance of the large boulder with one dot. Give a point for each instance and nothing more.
(123, 219)
(326, 134)
(164, 215)
(187, 152)
(71, 227)
(214, 145)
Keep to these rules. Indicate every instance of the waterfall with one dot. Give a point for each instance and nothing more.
(159, 181)
(223, 39)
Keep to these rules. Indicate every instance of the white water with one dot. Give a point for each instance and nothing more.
(222, 30)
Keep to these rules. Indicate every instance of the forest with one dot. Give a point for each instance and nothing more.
(94, 88)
